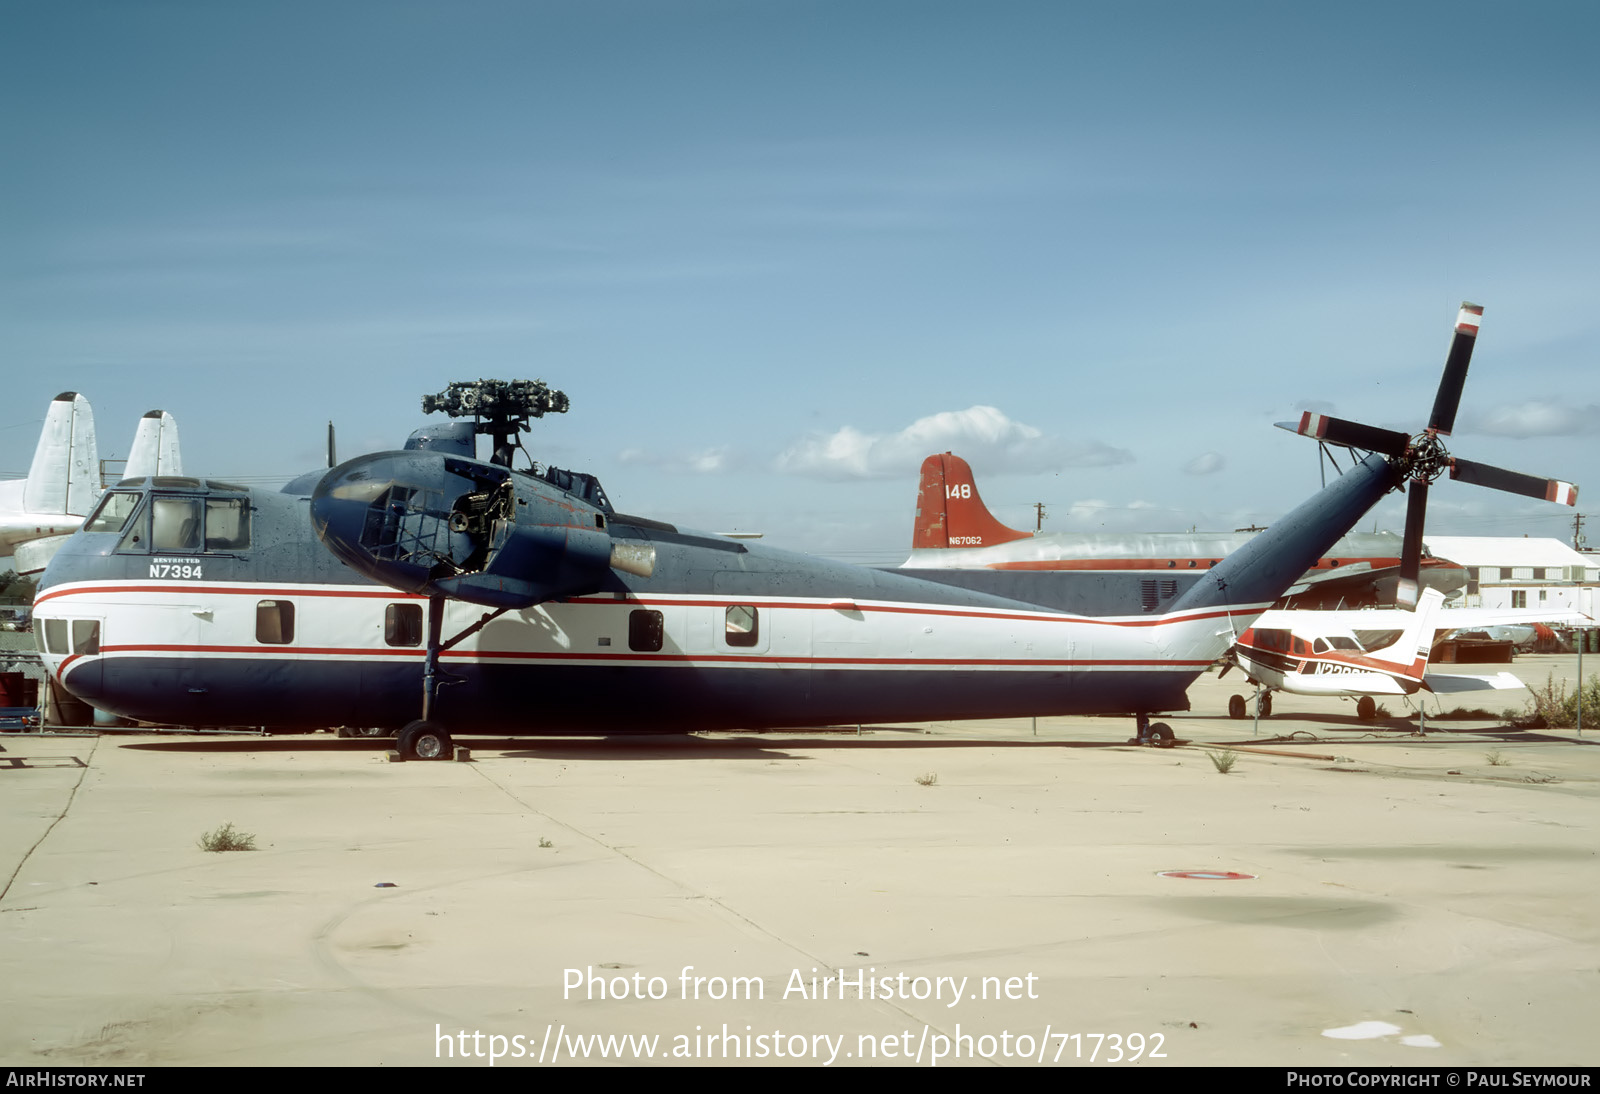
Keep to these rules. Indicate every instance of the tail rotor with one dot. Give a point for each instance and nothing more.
(1423, 458)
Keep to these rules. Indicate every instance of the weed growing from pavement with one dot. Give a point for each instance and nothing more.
(1223, 761)
(927, 780)
(1496, 758)
(227, 838)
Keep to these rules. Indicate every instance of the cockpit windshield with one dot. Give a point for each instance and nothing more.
(113, 513)
(176, 523)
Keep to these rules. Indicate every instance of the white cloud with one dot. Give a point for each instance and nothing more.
(708, 461)
(1538, 418)
(1207, 463)
(982, 435)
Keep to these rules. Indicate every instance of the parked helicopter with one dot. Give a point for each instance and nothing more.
(198, 602)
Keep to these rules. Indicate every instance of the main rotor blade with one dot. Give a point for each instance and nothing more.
(1443, 419)
(1411, 547)
(1368, 438)
(1514, 482)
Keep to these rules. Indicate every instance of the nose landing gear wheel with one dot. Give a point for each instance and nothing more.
(1236, 707)
(423, 740)
(1366, 708)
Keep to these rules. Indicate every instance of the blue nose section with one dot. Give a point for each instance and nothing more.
(440, 525)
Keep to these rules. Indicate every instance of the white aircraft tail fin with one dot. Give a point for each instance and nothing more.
(1410, 651)
(65, 476)
(155, 448)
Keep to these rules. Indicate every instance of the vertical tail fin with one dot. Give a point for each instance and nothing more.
(155, 447)
(65, 476)
(1411, 649)
(949, 511)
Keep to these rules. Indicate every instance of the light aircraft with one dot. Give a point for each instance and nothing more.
(38, 513)
(1105, 573)
(1351, 654)
(522, 601)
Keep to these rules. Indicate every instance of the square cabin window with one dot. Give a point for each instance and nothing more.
(275, 622)
(402, 624)
(646, 629)
(740, 625)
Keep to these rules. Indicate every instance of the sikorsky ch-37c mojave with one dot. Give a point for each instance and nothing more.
(522, 602)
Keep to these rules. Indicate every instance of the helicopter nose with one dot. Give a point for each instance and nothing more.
(386, 515)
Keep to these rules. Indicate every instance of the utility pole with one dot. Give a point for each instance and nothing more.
(1038, 524)
(1577, 531)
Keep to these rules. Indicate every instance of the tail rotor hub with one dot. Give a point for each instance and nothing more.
(1426, 457)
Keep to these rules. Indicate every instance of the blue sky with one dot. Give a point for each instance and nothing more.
(776, 252)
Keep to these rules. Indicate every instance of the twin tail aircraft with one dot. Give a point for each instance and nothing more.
(430, 591)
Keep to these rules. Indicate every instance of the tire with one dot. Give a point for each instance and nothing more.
(1236, 707)
(1366, 708)
(1161, 735)
(1264, 707)
(425, 741)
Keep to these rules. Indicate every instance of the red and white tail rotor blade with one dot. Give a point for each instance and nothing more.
(1368, 438)
(1514, 482)
(1411, 545)
(1468, 319)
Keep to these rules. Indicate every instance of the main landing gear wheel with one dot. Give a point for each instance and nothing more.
(1264, 705)
(425, 741)
(1161, 735)
(1366, 708)
(1236, 706)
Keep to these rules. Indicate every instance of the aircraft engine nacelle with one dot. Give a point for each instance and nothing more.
(427, 523)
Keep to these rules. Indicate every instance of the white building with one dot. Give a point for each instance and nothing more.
(1504, 572)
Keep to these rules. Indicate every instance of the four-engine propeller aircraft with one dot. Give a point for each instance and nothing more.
(198, 602)
(38, 513)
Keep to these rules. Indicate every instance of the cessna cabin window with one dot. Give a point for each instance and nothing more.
(275, 622)
(646, 629)
(402, 624)
(55, 635)
(113, 513)
(741, 626)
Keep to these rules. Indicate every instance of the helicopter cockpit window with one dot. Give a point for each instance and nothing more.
(113, 513)
(227, 524)
(175, 524)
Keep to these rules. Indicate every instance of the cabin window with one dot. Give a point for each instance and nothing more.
(741, 626)
(113, 513)
(275, 622)
(227, 524)
(402, 624)
(646, 629)
(86, 636)
(175, 524)
(55, 635)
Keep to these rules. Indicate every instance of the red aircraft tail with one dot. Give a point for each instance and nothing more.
(949, 511)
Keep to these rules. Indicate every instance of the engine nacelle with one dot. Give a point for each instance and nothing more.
(429, 523)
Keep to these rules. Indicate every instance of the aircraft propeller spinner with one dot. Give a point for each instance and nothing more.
(1423, 458)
